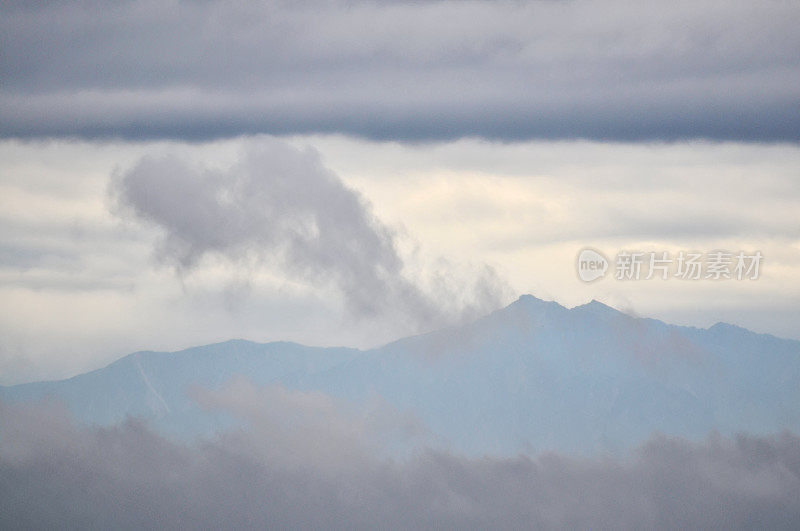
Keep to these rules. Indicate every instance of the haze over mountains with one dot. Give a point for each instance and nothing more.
(530, 377)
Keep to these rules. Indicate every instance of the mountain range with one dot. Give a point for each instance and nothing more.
(532, 376)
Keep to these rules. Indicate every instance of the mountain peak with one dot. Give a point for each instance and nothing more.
(721, 326)
(598, 308)
(527, 298)
(531, 302)
(526, 307)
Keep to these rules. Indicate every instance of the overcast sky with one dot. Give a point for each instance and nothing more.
(437, 70)
(175, 173)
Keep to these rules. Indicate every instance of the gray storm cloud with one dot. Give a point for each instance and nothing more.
(613, 70)
(305, 462)
(278, 207)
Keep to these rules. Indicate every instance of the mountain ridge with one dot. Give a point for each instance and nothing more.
(533, 374)
(592, 304)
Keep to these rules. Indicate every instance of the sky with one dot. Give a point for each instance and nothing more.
(347, 173)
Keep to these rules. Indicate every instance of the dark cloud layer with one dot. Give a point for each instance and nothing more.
(306, 463)
(402, 70)
(278, 207)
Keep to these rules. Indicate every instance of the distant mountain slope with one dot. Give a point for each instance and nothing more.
(531, 376)
(154, 385)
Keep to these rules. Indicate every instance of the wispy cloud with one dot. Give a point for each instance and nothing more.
(279, 207)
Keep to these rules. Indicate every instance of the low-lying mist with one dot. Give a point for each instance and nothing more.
(305, 460)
